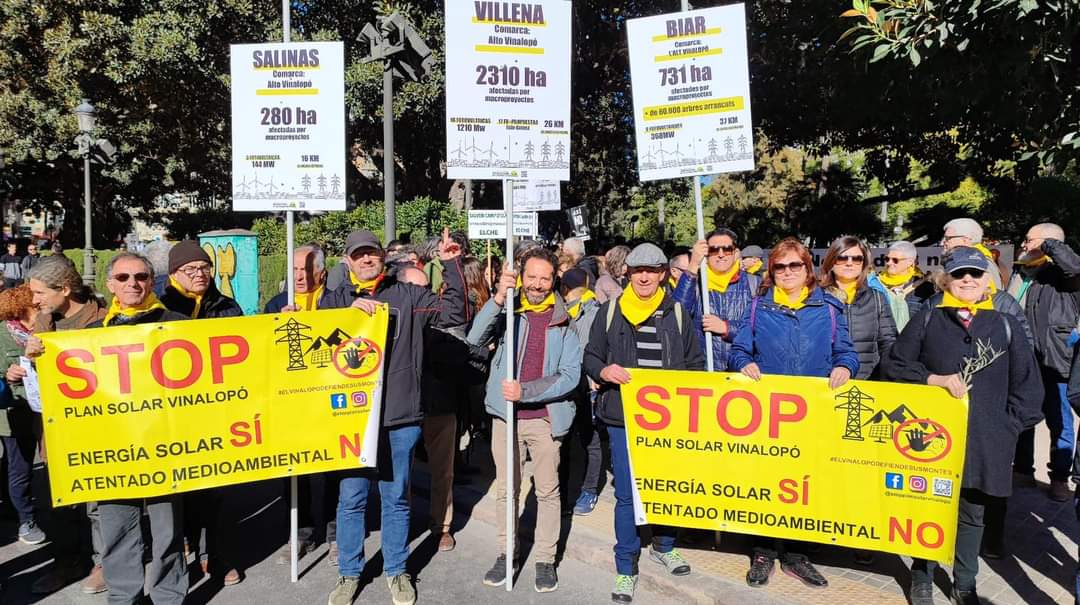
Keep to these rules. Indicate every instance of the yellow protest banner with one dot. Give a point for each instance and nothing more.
(872, 465)
(147, 410)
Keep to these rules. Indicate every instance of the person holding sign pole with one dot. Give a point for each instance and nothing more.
(131, 279)
(643, 328)
(965, 346)
(793, 328)
(414, 309)
(548, 359)
(731, 289)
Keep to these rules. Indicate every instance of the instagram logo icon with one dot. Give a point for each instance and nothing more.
(917, 484)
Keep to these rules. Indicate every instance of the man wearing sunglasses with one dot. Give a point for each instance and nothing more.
(731, 290)
(1047, 285)
(413, 309)
(131, 278)
(192, 292)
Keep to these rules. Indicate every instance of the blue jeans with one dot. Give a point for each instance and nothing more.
(627, 542)
(1059, 419)
(396, 445)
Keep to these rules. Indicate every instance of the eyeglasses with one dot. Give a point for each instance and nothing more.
(854, 258)
(794, 267)
(896, 261)
(960, 273)
(949, 237)
(714, 250)
(123, 277)
(196, 270)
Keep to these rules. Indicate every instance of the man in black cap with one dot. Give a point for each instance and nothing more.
(192, 292)
(413, 309)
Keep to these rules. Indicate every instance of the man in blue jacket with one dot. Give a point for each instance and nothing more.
(548, 362)
(731, 289)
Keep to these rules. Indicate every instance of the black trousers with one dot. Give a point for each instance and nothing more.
(969, 533)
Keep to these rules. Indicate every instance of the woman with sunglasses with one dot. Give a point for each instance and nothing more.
(793, 328)
(907, 286)
(845, 274)
(1005, 396)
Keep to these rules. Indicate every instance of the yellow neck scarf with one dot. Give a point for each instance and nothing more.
(183, 291)
(781, 298)
(527, 307)
(894, 281)
(366, 285)
(149, 304)
(308, 300)
(575, 309)
(951, 302)
(674, 283)
(850, 289)
(1038, 262)
(719, 282)
(756, 267)
(636, 310)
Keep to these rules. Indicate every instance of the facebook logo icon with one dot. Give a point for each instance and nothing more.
(894, 481)
(338, 401)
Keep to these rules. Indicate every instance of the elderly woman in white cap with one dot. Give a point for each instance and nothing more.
(642, 328)
(907, 286)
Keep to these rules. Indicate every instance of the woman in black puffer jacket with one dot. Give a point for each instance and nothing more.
(845, 273)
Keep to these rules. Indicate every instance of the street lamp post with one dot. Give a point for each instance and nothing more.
(86, 116)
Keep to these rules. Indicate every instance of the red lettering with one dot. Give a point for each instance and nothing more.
(123, 363)
(658, 408)
(240, 430)
(218, 361)
(903, 531)
(158, 370)
(350, 446)
(920, 534)
(87, 376)
(722, 413)
(776, 417)
(789, 491)
(695, 396)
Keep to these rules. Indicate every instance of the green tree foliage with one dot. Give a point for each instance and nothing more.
(1004, 73)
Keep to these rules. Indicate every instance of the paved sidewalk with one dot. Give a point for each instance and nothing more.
(1038, 567)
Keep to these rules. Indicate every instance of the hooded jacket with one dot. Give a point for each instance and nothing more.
(1005, 397)
(1051, 302)
(731, 306)
(808, 342)
(562, 363)
(413, 310)
(214, 303)
(615, 344)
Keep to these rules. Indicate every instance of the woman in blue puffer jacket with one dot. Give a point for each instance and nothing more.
(793, 328)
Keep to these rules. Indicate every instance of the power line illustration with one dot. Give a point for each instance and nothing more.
(854, 405)
(293, 336)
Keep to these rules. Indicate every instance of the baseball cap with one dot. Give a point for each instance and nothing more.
(965, 257)
(361, 239)
(646, 255)
(752, 251)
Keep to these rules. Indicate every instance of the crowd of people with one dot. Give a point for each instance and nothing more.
(580, 323)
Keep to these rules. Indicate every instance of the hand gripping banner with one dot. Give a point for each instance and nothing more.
(148, 410)
(872, 465)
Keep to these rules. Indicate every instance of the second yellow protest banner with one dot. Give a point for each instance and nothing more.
(873, 465)
(149, 410)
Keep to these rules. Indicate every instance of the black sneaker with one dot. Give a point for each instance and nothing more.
(546, 578)
(964, 597)
(496, 576)
(922, 593)
(800, 568)
(762, 567)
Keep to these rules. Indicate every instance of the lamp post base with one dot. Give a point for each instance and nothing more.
(88, 267)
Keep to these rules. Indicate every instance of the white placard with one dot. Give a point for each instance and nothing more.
(30, 384)
(288, 126)
(537, 196)
(508, 90)
(491, 224)
(691, 86)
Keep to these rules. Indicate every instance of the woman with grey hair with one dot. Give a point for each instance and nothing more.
(611, 283)
(907, 286)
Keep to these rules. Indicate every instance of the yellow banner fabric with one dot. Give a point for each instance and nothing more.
(873, 465)
(149, 410)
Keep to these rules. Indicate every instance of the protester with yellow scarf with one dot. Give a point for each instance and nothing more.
(966, 232)
(192, 290)
(642, 328)
(309, 281)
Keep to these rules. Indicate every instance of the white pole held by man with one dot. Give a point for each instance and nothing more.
(511, 356)
(290, 245)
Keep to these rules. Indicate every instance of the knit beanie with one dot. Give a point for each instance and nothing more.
(185, 252)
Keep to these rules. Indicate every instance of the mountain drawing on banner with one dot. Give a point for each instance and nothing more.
(321, 351)
(882, 423)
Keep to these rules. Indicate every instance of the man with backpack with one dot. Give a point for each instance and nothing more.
(642, 328)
